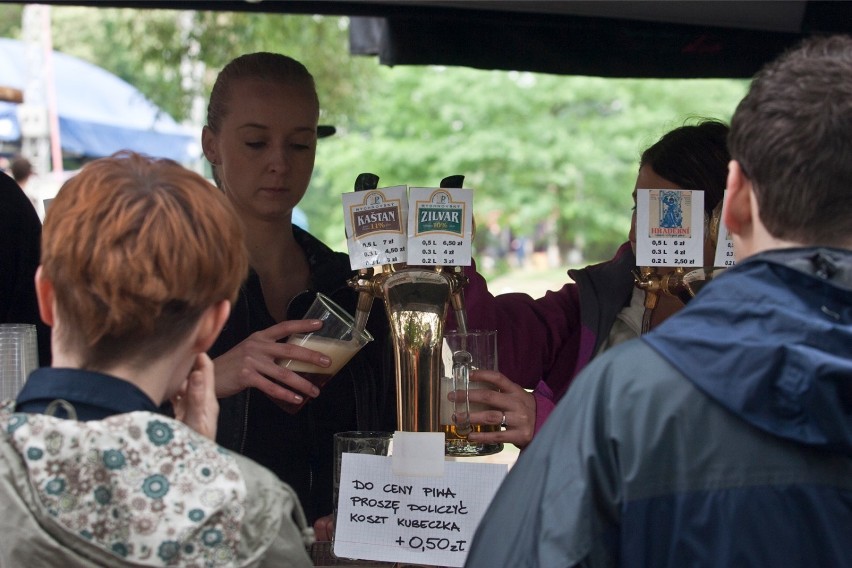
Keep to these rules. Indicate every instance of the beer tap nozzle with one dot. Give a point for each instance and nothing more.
(458, 282)
(648, 279)
(457, 278)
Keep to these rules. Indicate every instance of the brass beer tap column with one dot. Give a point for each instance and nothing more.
(416, 300)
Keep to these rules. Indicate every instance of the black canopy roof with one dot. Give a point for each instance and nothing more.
(609, 38)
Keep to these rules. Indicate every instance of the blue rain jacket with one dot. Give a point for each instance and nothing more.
(722, 438)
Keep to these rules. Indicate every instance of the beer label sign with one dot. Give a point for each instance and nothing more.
(440, 227)
(376, 222)
(670, 227)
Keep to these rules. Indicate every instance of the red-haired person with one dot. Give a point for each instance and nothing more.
(140, 262)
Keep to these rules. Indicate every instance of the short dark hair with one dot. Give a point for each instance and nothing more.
(21, 168)
(792, 136)
(693, 156)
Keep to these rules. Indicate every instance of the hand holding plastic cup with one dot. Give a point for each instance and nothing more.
(337, 339)
(464, 353)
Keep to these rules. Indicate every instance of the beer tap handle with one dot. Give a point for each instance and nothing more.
(454, 181)
(366, 181)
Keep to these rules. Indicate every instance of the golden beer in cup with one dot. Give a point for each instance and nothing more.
(462, 354)
(338, 339)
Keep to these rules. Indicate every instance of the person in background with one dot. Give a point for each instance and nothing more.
(724, 436)
(260, 139)
(22, 170)
(544, 343)
(19, 257)
(140, 263)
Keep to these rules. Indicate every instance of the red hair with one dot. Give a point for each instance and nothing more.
(137, 248)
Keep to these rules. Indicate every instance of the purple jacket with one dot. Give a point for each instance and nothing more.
(543, 343)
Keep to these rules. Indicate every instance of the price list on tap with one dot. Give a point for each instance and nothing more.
(670, 228)
(440, 226)
(725, 256)
(375, 222)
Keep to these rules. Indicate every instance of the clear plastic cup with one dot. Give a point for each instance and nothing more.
(18, 357)
(337, 338)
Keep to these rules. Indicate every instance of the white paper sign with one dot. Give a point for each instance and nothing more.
(376, 221)
(419, 520)
(440, 226)
(725, 257)
(670, 227)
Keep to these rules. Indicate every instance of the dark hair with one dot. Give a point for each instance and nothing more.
(21, 169)
(694, 157)
(260, 65)
(792, 136)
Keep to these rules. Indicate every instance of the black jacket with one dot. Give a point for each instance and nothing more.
(19, 258)
(299, 448)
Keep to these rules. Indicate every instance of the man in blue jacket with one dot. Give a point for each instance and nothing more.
(724, 437)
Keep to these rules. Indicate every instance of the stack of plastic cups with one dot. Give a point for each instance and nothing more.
(18, 357)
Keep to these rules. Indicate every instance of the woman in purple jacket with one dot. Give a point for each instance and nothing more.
(543, 343)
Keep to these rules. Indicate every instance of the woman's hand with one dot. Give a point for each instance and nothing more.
(253, 362)
(324, 528)
(195, 404)
(513, 408)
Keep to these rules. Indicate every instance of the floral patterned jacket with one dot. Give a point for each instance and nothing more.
(137, 489)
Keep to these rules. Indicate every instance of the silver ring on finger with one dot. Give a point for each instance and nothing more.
(503, 423)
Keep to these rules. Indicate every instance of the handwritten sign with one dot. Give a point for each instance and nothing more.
(420, 520)
(376, 221)
(440, 226)
(670, 227)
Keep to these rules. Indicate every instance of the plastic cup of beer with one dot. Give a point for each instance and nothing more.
(473, 350)
(337, 339)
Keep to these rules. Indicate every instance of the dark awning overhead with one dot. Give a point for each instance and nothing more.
(687, 39)
(614, 38)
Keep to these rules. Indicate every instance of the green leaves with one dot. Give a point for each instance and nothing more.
(537, 149)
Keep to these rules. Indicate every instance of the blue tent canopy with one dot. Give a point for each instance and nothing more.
(99, 113)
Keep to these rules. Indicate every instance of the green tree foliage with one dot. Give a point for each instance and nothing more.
(539, 150)
(147, 47)
(536, 148)
(10, 20)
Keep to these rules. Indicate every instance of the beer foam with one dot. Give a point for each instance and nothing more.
(339, 351)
